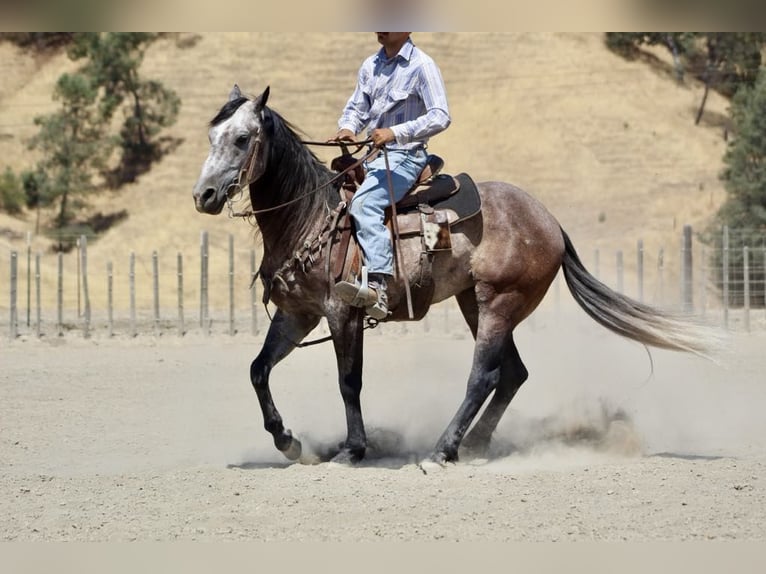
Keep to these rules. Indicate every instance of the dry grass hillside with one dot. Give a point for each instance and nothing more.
(608, 145)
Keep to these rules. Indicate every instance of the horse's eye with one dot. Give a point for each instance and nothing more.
(242, 141)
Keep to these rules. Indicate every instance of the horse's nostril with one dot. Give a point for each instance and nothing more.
(207, 195)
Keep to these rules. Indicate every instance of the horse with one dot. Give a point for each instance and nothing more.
(499, 267)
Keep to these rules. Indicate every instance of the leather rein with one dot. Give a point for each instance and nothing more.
(246, 178)
(246, 175)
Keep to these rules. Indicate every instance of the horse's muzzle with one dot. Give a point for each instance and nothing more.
(209, 201)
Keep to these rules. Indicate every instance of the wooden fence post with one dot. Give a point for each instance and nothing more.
(725, 271)
(231, 285)
(38, 327)
(597, 264)
(132, 283)
(14, 285)
(110, 297)
(156, 291)
(60, 296)
(620, 272)
(746, 280)
(687, 284)
(661, 275)
(79, 286)
(203, 311)
(86, 295)
(703, 281)
(640, 269)
(29, 279)
(180, 259)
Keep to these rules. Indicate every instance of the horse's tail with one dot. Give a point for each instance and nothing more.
(630, 318)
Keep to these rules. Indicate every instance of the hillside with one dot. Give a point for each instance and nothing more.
(608, 145)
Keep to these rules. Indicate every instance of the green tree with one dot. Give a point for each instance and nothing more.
(112, 62)
(39, 41)
(744, 174)
(629, 43)
(73, 146)
(11, 192)
(726, 61)
(723, 61)
(744, 177)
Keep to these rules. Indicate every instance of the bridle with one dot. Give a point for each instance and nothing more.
(245, 177)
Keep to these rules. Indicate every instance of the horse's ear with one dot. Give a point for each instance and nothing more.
(235, 93)
(260, 103)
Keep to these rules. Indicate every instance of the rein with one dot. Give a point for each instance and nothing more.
(246, 178)
(370, 324)
(246, 175)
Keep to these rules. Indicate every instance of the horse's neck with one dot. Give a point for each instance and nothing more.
(285, 230)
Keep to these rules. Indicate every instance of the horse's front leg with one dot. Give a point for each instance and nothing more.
(284, 333)
(347, 329)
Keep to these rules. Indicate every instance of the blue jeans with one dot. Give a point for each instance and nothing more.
(372, 198)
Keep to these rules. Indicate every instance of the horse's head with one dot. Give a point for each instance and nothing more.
(236, 156)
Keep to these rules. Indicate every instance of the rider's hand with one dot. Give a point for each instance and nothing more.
(382, 136)
(343, 135)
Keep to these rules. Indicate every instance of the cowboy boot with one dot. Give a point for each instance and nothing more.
(379, 309)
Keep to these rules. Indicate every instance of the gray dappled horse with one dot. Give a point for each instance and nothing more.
(500, 266)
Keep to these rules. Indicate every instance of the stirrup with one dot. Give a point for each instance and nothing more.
(377, 311)
(355, 294)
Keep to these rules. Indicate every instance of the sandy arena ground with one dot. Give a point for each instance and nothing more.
(161, 439)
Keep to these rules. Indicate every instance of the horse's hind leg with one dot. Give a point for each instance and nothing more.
(513, 373)
(285, 331)
(496, 367)
(492, 335)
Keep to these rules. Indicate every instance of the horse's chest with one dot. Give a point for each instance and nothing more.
(294, 292)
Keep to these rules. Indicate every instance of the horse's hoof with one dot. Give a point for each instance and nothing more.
(346, 457)
(294, 449)
(436, 462)
(475, 448)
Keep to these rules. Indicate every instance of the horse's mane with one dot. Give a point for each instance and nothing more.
(292, 171)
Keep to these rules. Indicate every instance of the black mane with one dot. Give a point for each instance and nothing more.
(293, 172)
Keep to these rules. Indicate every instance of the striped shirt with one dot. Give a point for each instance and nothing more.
(405, 93)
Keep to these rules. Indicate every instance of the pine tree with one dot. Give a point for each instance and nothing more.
(744, 175)
(112, 62)
(73, 145)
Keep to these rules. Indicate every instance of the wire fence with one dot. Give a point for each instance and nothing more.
(212, 290)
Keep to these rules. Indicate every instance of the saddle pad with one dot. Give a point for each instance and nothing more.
(440, 187)
(465, 203)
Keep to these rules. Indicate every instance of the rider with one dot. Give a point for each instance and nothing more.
(400, 98)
